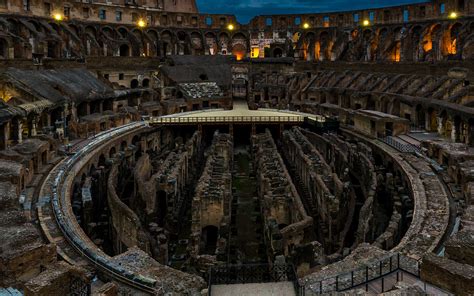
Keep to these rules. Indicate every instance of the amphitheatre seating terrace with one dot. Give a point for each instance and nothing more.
(153, 149)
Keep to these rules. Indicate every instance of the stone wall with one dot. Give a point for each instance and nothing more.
(286, 222)
(448, 274)
(331, 200)
(212, 201)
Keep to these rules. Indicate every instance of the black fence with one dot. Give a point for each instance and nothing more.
(254, 273)
(366, 274)
(404, 148)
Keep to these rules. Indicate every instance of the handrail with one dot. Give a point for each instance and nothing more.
(405, 148)
(226, 119)
(253, 273)
(68, 228)
(365, 274)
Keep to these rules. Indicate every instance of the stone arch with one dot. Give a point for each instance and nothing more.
(209, 236)
(197, 43)
(307, 48)
(74, 29)
(224, 43)
(91, 31)
(54, 49)
(277, 52)
(239, 46)
(124, 50)
(432, 43)
(154, 38)
(432, 120)
(444, 126)
(108, 32)
(184, 46)
(3, 48)
(102, 160)
(13, 26)
(452, 41)
(123, 32)
(420, 116)
(167, 42)
(153, 34)
(146, 82)
(36, 26)
(112, 152)
(56, 28)
(92, 169)
(123, 145)
(470, 140)
(91, 44)
(134, 83)
(325, 46)
(211, 43)
(458, 129)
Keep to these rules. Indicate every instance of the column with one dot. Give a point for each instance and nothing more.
(440, 126)
(19, 130)
(33, 132)
(428, 121)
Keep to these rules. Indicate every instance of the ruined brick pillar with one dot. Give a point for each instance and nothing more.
(19, 130)
(33, 131)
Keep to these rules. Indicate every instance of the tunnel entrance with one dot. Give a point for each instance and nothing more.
(162, 210)
(209, 235)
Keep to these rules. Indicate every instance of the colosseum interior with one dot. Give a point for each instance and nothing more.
(150, 149)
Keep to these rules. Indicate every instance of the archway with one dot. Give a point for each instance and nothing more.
(124, 50)
(101, 162)
(134, 83)
(211, 43)
(470, 140)
(209, 235)
(123, 145)
(3, 49)
(420, 117)
(277, 52)
(53, 49)
(161, 208)
(433, 120)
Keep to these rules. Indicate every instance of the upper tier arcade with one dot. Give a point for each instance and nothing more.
(433, 31)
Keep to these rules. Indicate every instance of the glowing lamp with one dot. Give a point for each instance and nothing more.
(230, 27)
(306, 26)
(58, 17)
(453, 15)
(141, 23)
(366, 23)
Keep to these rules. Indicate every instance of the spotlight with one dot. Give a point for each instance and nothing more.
(366, 23)
(141, 23)
(230, 27)
(306, 26)
(58, 17)
(453, 15)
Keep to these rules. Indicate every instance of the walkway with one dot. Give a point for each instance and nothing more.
(268, 289)
(247, 243)
(376, 287)
(239, 114)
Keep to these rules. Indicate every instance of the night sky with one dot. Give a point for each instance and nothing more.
(246, 9)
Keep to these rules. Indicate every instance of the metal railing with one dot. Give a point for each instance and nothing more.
(226, 119)
(405, 148)
(366, 274)
(71, 231)
(254, 273)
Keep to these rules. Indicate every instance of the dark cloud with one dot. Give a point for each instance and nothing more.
(246, 9)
